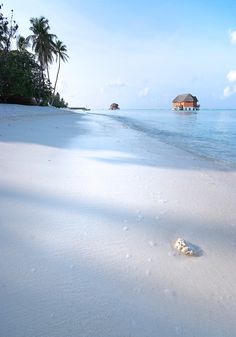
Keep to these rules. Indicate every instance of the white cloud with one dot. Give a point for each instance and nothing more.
(229, 90)
(231, 76)
(226, 91)
(116, 83)
(144, 92)
(112, 85)
(232, 36)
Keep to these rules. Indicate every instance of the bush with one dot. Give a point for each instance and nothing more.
(59, 102)
(21, 78)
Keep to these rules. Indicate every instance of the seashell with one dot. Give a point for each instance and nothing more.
(186, 251)
(190, 252)
(180, 243)
(182, 246)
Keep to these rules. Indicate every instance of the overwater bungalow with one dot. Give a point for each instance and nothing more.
(185, 102)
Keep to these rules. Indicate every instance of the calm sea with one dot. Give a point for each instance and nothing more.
(207, 133)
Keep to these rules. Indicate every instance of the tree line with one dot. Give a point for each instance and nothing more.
(24, 75)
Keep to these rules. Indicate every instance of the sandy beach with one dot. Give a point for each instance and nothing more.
(89, 212)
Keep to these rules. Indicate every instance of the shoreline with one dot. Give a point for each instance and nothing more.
(167, 132)
(17, 110)
(89, 213)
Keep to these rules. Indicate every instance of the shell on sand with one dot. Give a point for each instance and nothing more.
(182, 246)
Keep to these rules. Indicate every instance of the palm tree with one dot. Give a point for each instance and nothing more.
(22, 43)
(42, 42)
(60, 51)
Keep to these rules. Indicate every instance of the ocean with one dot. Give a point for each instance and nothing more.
(206, 133)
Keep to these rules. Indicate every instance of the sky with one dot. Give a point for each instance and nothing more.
(140, 54)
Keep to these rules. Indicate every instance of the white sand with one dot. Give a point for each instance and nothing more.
(89, 212)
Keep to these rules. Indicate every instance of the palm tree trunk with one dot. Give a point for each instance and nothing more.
(58, 70)
(48, 73)
(42, 79)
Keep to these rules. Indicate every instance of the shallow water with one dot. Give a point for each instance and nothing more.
(207, 133)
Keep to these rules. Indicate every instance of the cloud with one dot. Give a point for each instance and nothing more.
(112, 85)
(231, 76)
(229, 90)
(232, 36)
(116, 83)
(144, 92)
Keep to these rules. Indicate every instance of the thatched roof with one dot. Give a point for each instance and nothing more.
(185, 98)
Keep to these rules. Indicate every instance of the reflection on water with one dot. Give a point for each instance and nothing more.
(184, 112)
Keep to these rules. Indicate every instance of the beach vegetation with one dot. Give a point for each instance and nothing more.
(60, 51)
(42, 42)
(24, 75)
(59, 102)
(22, 43)
(21, 79)
(8, 30)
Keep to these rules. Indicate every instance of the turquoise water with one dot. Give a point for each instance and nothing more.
(208, 133)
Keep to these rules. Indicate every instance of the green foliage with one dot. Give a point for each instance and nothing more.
(59, 102)
(42, 40)
(22, 43)
(8, 29)
(20, 76)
